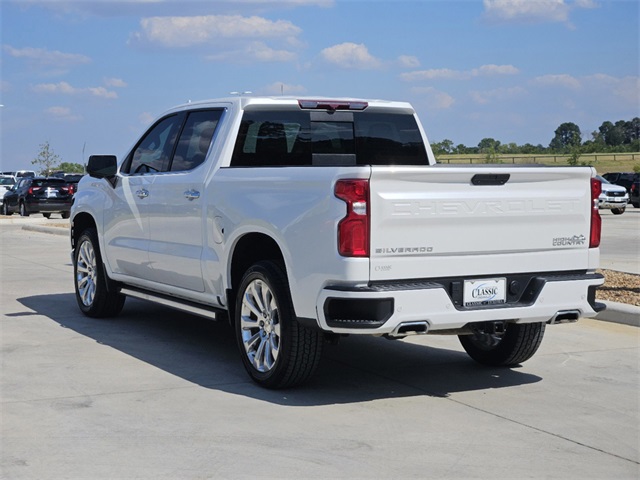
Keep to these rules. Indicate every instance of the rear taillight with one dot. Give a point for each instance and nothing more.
(33, 189)
(596, 220)
(353, 229)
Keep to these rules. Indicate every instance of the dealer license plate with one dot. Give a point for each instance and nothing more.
(488, 291)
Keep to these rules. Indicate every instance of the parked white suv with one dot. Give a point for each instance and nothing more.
(613, 197)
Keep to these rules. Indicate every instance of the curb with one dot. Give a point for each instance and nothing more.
(615, 312)
(620, 313)
(50, 230)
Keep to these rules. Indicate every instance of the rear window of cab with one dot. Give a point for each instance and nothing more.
(324, 138)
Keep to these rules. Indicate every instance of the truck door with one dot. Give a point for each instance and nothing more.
(126, 221)
(176, 206)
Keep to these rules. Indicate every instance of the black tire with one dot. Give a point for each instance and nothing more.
(517, 344)
(276, 350)
(5, 209)
(617, 211)
(65, 214)
(636, 205)
(46, 215)
(23, 210)
(93, 296)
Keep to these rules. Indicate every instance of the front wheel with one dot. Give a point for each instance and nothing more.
(515, 345)
(94, 297)
(617, 211)
(277, 351)
(5, 209)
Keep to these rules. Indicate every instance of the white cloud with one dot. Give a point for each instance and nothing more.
(101, 92)
(434, 74)
(282, 88)
(562, 80)
(253, 52)
(61, 87)
(490, 70)
(626, 89)
(448, 74)
(532, 11)
(67, 89)
(146, 118)
(115, 82)
(62, 113)
(408, 61)
(47, 58)
(178, 32)
(486, 96)
(350, 55)
(434, 99)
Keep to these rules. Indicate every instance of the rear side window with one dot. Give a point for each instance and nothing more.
(195, 139)
(320, 138)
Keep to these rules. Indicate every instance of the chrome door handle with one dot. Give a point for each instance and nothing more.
(191, 195)
(144, 193)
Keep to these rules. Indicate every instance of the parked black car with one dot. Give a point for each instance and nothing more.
(634, 194)
(624, 179)
(39, 195)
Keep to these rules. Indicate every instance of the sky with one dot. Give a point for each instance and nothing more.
(89, 77)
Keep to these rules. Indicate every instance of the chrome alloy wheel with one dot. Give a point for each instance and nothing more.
(86, 270)
(260, 325)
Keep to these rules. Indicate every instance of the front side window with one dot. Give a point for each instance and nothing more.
(153, 152)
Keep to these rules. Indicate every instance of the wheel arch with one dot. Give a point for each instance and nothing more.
(248, 250)
(80, 223)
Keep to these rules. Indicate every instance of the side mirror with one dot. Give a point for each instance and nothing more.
(102, 166)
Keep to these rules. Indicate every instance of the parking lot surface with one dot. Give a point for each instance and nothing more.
(620, 246)
(159, 394)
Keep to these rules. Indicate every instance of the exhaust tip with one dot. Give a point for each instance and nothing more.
(565, 316)
(410, 328)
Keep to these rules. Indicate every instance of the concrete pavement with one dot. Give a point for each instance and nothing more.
(157, 394)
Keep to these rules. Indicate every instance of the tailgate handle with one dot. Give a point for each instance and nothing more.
(490, 178)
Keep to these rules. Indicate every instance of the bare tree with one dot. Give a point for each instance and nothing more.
(46, 159)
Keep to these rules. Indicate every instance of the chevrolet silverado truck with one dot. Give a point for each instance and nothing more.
(303, 220)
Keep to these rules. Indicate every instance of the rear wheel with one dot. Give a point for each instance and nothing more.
(46, 215)
(277, 351)
(517, 344)
(5, 209)
(23, 210)
(617, 211)
(92, 294)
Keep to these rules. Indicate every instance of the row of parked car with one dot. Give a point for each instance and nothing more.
(619, 189)
(25, 193)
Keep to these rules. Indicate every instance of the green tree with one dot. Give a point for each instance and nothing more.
(46, 159)
(67, 167)
(488, 145)
(567, 136)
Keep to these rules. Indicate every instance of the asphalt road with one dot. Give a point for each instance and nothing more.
(162, 395)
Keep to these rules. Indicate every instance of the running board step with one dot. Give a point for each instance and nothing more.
(173, 302)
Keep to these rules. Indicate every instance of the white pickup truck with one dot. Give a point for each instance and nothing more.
(303, 220)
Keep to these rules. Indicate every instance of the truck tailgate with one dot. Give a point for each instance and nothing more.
(429, 222)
